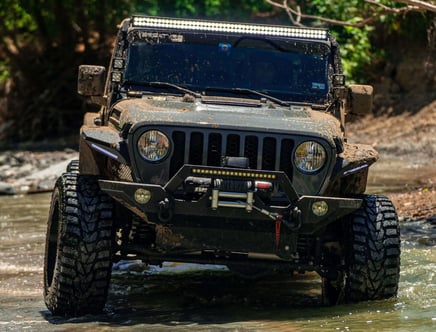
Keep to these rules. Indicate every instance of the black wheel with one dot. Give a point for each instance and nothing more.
(73, 166)
(78, 253)
(371, 255)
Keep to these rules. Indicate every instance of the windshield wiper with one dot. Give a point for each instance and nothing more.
(166, 85)
(246, 91)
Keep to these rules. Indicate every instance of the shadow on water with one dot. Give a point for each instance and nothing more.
(218, 300)
(202, 297)
(210, 298)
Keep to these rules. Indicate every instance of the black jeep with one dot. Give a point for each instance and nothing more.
(222, 143)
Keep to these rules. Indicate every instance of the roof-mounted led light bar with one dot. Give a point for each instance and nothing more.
(239, 28)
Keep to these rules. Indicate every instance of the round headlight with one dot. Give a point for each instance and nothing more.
(310, 156)
(153, 145)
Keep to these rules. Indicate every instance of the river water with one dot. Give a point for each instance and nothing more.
(203, 298)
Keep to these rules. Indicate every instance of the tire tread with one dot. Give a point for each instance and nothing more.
(84, 255)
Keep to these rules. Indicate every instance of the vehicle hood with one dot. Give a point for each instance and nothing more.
(227, 113)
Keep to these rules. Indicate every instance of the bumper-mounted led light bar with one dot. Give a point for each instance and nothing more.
(236, 173)
(228, 27)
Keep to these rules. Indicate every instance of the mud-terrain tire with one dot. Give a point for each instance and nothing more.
(78, 253)
(73, 166)
(371, 254)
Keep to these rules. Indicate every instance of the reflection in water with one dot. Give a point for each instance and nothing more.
(189, 297)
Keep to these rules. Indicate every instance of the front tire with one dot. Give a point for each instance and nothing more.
(78, 253)
(73, 166)
(371, 255)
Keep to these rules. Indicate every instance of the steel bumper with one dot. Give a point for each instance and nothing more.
(303, 214)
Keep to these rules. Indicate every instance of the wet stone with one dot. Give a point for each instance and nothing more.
(26, 171)
(6, 189)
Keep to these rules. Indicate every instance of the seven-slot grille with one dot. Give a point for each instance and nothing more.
(208, 147)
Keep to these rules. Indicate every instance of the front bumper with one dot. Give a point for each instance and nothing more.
(169, 204)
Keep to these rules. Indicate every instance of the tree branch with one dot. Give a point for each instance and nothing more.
(425, 5)
(295, 15)
(291, 12)
(297, 12)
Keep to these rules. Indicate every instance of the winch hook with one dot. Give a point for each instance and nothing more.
(165, 213)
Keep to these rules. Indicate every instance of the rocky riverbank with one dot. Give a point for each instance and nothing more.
(24, 171)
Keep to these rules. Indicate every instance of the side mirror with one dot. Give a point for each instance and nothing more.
(360, 99)
(91, 81)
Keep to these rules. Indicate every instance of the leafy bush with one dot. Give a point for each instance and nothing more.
(43, 42)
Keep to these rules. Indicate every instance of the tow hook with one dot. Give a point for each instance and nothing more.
(294, 224)
(165, 211)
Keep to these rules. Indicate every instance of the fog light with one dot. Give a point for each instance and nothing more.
(320, 208)
(142, 196)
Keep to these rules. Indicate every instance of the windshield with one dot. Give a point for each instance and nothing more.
(297, 74)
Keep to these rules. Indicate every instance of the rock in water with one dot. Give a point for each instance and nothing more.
(6, 189)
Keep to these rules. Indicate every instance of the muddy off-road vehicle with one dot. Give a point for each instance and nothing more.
(221, 143)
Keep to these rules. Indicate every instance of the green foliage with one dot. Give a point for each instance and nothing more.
(213, 7)
(68, 21)
(14, 17)
(355, 50)
(45, 41)
(16, 27)
(356, 43)
(4, 73)
(16, 24)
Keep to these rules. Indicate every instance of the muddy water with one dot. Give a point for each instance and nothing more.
(191, 297)
(396, 174)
